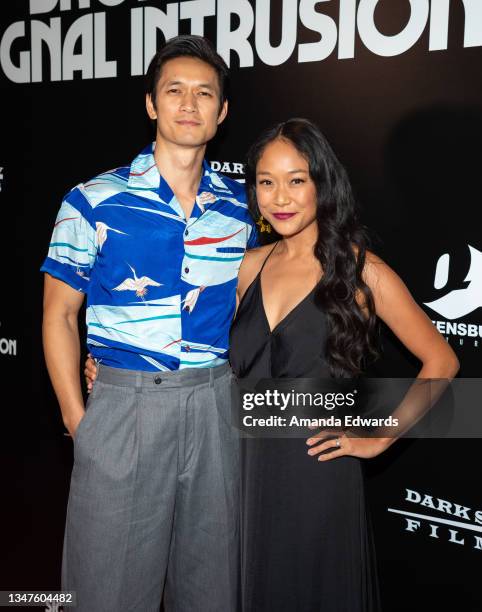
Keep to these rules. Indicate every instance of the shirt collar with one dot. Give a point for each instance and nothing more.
(144, 175)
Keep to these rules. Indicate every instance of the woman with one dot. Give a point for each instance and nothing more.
(308, 307)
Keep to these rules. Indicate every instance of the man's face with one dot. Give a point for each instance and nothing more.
(187, 104)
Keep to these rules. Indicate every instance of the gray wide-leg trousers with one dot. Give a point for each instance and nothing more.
(154, 498)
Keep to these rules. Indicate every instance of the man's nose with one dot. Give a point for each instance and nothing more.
(189, 102)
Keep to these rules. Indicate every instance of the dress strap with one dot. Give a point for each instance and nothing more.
(267, 257)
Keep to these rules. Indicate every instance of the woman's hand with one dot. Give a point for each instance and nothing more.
(90, 372)
(345, 444)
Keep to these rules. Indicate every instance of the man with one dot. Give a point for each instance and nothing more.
(156, 247)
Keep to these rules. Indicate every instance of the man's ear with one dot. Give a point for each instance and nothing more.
(151, 109)
(223, 112)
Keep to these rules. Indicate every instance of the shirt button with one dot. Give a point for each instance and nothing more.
(157, 380)
(186, 270)
(186, 233)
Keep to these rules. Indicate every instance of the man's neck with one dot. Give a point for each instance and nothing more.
(181, 167)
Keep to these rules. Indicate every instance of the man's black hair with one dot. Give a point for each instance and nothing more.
(187, 46)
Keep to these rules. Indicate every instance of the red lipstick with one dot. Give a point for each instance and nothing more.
(283, 216)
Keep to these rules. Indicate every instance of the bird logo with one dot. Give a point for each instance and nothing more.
(139, 285)
(101, 233)
(458, 302)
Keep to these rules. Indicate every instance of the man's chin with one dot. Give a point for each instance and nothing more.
(187, 139)
(191, 142)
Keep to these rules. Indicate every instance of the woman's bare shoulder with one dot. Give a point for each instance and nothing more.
(251, 265)
(258, 253)
(376, 270)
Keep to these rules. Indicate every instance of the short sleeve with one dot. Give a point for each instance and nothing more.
(253, 238)
(72, 248)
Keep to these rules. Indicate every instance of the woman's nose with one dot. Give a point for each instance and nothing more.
(281, 197)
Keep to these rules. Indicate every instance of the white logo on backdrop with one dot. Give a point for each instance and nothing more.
(229, 168)
(83, 46)
(1, 177)
(458, 302)
(441, 519)
(8, 346)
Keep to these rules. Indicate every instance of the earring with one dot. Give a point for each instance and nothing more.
(264, 226)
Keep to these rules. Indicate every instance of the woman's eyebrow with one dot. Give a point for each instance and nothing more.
(289, 171)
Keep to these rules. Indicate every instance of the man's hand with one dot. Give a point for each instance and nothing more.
(73, 423)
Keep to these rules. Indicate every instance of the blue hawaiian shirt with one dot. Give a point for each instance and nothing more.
(161, 290)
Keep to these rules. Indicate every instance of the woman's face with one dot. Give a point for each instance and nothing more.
(285, 192)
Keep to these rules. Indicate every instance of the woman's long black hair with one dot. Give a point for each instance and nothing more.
(340, 247)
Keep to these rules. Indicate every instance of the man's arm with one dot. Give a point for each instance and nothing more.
(62, 347)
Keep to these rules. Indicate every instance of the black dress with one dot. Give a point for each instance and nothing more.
(307, 545)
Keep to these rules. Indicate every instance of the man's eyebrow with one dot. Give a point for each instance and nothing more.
(177, 82)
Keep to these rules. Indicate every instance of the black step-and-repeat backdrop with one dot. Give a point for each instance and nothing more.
(396, 87)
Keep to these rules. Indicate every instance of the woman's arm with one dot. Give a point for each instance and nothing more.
(396, 307)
